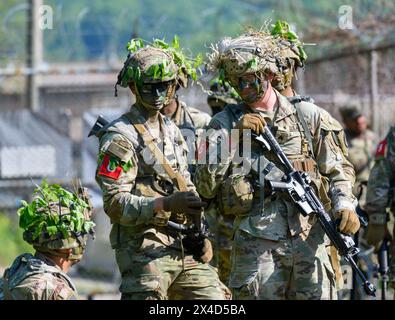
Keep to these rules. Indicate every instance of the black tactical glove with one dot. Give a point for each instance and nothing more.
(183, 202)
(200, 247)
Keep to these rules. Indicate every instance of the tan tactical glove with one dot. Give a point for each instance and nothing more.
(376, 233)
(183, 202)
(252, 121)
(349, 222)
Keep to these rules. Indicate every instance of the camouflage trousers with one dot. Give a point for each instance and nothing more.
(221, 229)
(152, 271)
(295, 268)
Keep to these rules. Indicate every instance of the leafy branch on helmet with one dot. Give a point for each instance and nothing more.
(46, 215)
(187, 66)
(282, 30)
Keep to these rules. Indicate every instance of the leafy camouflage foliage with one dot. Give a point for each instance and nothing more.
(186, 65)
(282, 29)
(40, 217)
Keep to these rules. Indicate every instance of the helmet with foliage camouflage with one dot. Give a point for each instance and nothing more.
(57, 219)
(157, 62)
(252, 52)
(221, 95)
(291, 54)
(149, 65)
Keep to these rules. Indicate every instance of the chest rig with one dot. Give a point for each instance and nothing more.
(152, 179)
(293, 134)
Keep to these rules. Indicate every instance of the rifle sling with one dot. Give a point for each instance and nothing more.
(305, 128)
(149, 141)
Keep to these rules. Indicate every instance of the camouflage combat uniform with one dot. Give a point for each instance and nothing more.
(149, 256)
(278, 253)
(221, 226)
(360, 154)
(191, 122)
(186, 117)
(36, 278)
(380, 197)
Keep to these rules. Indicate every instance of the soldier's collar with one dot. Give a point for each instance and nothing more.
(285, 108)
(46, 259)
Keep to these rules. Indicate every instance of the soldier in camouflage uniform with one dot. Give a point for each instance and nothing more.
(42, 276)
(221, 226)
(191, 122)
(361, 146)
(294, 57)
(185, 117)
(380, 200)
(277, 253)
(143, 189)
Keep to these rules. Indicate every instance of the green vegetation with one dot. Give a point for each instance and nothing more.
(186, 65)
(40, 216)
(11, 241)
(98, 30)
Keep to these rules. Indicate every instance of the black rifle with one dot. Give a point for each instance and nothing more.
(363, 219)
(297, 185)
(99, 124)
(194, 234)
(383, 267)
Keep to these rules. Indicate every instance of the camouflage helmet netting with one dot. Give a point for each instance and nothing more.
(249, 53)
(148, 65)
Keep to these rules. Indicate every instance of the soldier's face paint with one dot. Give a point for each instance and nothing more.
(156, 94)
(249, 87)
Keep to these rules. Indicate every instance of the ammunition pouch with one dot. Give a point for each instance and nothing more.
(236, 196)
(149, 186)
(319, 182)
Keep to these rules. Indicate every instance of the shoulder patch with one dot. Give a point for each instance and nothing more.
(109, 168)
(381, 150)
(121, 149)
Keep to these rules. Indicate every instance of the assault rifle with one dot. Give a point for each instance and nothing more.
(382, 268)
(297, 185)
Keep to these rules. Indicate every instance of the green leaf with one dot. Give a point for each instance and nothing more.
(134, 44)
(252, 64)
(198, 60)
(175, 43)
(160, 44)
(38, 230)
(193, 74)
(52, 230)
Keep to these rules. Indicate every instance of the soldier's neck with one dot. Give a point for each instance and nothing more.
(288, 92)
(63, 263)
(268, 101)
(151, 115)
(170, 109)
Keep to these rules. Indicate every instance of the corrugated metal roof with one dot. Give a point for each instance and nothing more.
(23, 128)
